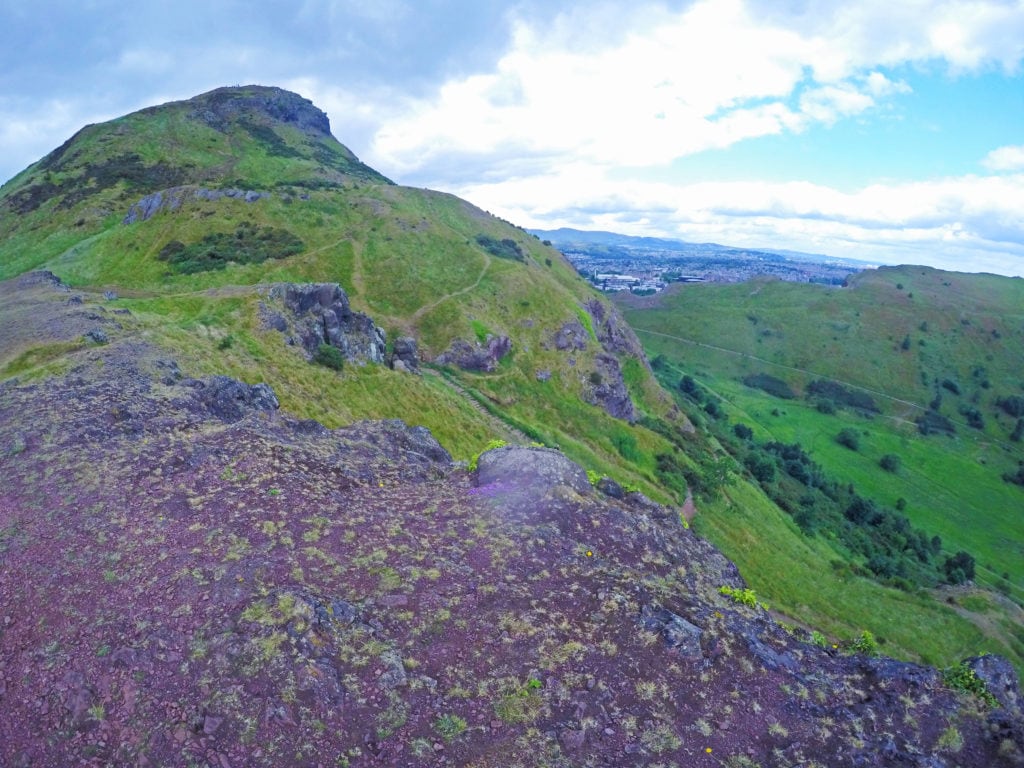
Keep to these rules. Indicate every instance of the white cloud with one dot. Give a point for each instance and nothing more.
(646, 86)
(638, 87)
(1009, 158)
(942, 221)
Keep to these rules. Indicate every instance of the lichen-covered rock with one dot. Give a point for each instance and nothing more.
(536, 470)
(319, 313)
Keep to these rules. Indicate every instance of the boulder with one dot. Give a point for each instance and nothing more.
(476, 357)
(405, 355)
(538, 469)
(229, 399)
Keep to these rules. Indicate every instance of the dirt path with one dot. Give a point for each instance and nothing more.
(427, 307)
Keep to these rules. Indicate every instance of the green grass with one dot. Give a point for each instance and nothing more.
(952, 487)
(794, 575)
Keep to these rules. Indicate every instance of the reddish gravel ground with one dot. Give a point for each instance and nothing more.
(189, 577)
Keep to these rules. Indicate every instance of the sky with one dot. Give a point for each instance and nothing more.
(890, 132)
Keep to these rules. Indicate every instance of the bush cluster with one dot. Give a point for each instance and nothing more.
(507, 248)
(248, 244)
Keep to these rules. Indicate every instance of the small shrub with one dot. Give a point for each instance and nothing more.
(503, 249)
(890, 462)
(489, 447)
(329, 357)
(818, 639)
(865, 643)
(849, 439)
(770, 384)
(961, 677)
(745, 597)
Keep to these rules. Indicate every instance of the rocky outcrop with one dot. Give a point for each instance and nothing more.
(319, 313)
(173, 198)
(405, 355)
(262, 590)
(612, 331)
(42, 277)
(607, 389)
(476, 357)
(229, 399)
(220, 107)
(571, 336)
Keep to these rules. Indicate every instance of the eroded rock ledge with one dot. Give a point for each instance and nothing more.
(311, 314)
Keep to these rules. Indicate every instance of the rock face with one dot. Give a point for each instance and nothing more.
(405, 355)
(172, 199)
(612, 331)
(476, 357)
(319, 313)
(608, 389)
(219, 107)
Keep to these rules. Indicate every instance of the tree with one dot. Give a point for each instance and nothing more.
(959, 568)
(743, 432)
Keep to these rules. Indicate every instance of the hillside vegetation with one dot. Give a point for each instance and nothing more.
(183, 210)
(878, 421)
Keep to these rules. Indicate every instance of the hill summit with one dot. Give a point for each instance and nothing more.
(238, 371)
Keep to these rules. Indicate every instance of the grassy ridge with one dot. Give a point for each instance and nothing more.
(420, 263)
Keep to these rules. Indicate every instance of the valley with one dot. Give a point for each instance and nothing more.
(761, 351)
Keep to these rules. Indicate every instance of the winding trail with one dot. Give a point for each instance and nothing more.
(427, 307)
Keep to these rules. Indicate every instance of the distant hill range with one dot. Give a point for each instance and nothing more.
(593, 251)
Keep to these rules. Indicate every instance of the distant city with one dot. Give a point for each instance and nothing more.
(645, 265)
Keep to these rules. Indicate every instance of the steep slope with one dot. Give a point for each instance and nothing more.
(193, 576)
(186, 209)
(902, 386)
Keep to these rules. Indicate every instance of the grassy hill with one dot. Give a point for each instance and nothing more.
(172, 223)
(182, 210)
(856, 377)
